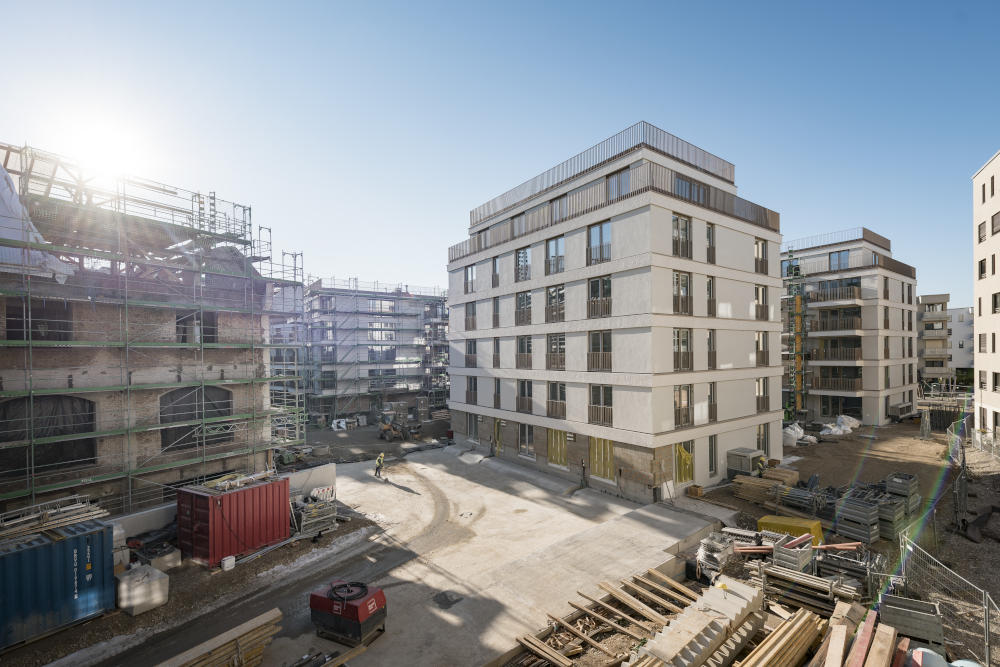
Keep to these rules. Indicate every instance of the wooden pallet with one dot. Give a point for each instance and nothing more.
(243, 645)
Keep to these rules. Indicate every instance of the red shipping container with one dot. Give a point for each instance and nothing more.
(214, 524)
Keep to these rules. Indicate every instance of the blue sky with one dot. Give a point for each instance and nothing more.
(363, 133)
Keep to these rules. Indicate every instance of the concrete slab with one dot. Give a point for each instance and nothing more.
(705, 509)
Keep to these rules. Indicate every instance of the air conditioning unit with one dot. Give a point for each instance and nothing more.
(742, 461)
(900, 410)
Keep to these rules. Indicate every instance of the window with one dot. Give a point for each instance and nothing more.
(760, 391)
(682, 349)
(996, 382)
(472, 425)
(763, 439)
(993, 343)
(710, 238)
(713, 406)
(193, 326)
(559, 208)
(760, 255)
(555, 255)
(470, 278)
(189, 404)
(602, 458)
(982, 232)
(599, 243)
(599, 302)
(961, 344)
(600, 404)
(385, 330)
(523, 359)
(982, 342)
(46, 417)
(982, 269)
(909, 293)
(996, 302)
(555, 303)
(618, 184)
(992, 188)
(789, 268)
(470, 315)
(556, 447)
(995, 222)
(710, 293)
(684, 462)
(839, 260)
(982, 379)
(713, 455)
(682, 293)
(522, 308)
(710, 343)
(496, 353)
(470, 346)
(496, 271)
(555, 351)
(327, 380)
(683, 408)
(496, 312)
(50, 320)
(887, 384)
(556, 406)
(524, 391)
(385, 353)
(761, 311)
(522, 265)
(682, 236)
(599, 351)
(526, 440)
(496, 393)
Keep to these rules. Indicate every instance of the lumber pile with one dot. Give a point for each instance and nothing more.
(798, 589)
(243, 645)
(755, 489)
(788, 644)
(846, 617)
(46, 516)
(786, 476)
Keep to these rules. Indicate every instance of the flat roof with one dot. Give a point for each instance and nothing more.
(834, 238)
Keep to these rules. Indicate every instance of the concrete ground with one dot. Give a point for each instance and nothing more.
(473, 552)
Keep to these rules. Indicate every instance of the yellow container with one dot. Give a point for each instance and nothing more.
(791, 525)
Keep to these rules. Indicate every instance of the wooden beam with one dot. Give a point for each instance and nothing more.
(883, 647)
(863, 640)
(544, 651)
(642, 624)
(344, 657)
(656, 574)
(649, 595)
(901, 649)
(268, 618)
(582, 636)
(835, 649)
(609, 622)
(634, 604)
(666, 591)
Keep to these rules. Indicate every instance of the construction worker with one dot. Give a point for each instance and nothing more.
(761, 466)
(379, 464)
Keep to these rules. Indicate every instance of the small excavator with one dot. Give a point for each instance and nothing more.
(390, 429)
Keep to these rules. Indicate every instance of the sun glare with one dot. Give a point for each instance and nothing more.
(110, 146)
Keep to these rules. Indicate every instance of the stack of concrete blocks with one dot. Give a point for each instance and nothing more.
(709, 628)
(141, 589)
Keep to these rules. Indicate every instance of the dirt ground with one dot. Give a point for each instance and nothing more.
(363, 444)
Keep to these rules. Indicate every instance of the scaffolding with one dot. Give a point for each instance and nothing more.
(372, 343)
(794, 333)
(135, 336)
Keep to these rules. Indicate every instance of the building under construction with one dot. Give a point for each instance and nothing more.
(373, 343)
(134, 335)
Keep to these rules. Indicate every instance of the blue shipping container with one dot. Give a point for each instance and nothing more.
(54, 579)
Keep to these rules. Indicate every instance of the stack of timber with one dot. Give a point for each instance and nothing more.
(703, 628)
(243, 645)
(46, 516)
(845, 620)
(788, 644)
(755, 489)
(786, 476)
(798, 589)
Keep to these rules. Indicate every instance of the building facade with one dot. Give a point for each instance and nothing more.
(850, 341)
(986, 293)
(616, 317)
(372, 343)
(963, 344)
(946, 341)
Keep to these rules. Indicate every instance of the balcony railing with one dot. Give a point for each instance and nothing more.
(760, 265)
(555, 312)
(837, 354)
(599, 361)
(522, 316)
(496, 401)
(935, 334)
(712, 356)
(555, 409)
(683, 417)
(713, 412)
(599, 307)
(936, 353)
(599, 414)
(682, 248)
(761, 311)
(470, 360)
(763, 403)
(711, 307)
(555, 265)
(470, 322)
(682, 305)
(598, 254)
(835, 324)
(470, 397)
(762, 358)
(837, 384)
(682, 361)
(495, 280)
(524, 404)
(496, 320)
(710, 254)
(496, 360)
(522, 360)
(555, 361)
(835, 294)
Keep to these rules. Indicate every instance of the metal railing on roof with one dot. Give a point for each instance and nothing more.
(355, 285)
(642, 133)
(842, 236)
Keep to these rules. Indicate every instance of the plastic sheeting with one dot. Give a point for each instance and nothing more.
(47, 416)
(844, 425)
(791, 434)
(15, 224)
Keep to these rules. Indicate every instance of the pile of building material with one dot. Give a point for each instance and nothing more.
(914, 618)
(243, 645)
(715, 551)
(315, 518)
(141, 589)
(793, 554)
(46, 516)
(857, 519)
(809, 501)
(786, 476)
(788, 644)
(755, 489)
(799, 589)
(905, 487)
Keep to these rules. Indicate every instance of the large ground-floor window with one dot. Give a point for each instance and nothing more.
(556, 447)
(684, 462)
(602, 458)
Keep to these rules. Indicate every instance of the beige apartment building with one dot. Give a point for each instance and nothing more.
(850, 336)
(986, 292)
(615, 317)
(935, 339)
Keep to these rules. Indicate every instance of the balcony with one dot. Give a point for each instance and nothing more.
(936, 353)
(712, 357)
(710, 254)
(761, 312)
(496, 320)
(522, 360)
(555, 313)
(522, 273)
(522, 316)
(555, 361)
(495, 280)
(599, 414)
(555, 409)
(599, 307)
(760, 265)
(469, 287)
(682, 305)
(837, 384)
(835, 294)
(555, 265)
(683, 417)
(524, 404)
(598, 254)
(682, 248)
(470, 360)
(599, 361)
(682, 361)
(934, 334)
(836, 354)
(496, 360)
(762, 358)
(496, 401)
(470, 322)
(763, 404)
(835, 324)
(713, 412)
(935, 316)
(711, 307)
(470, 397)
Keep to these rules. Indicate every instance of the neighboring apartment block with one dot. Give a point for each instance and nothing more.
(617, 319)
(852, 335)
(372, 343)
(946, 340)
(986, 226)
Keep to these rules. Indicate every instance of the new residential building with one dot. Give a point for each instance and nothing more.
(986, 223)
(945, 341)
(850, 339)
(616, 319)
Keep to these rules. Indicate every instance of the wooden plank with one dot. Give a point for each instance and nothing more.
(271, 617)
(835, 649)
(609, 622)
(545, 651)
(901, 648)
(656, 574)
(642, 624)
(633, 604)
(666, 591)
(862, 641)
(883, 646)
(582, 636)
(339, 660)
(652, 596)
